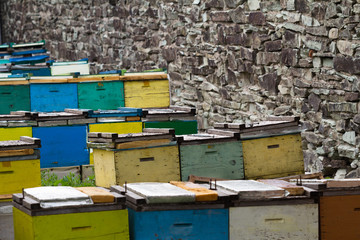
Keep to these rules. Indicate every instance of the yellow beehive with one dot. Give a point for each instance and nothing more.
(273, 157)
(140, 157)
(19, 165)
(146, 90)
(10, 133)
(82, 219)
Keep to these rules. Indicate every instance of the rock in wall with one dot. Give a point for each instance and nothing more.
(234, 60)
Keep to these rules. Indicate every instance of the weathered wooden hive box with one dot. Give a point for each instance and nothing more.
(214, 154)
(19, 165)
(182, 119)
(146, 90)
(16, 124)
(338, 207)
(49, 94)
(121, 121)
(14, 96)
(165, 211)
(63, 135)
(105, 92)
(149, 156)
(266, 211)
(271, 149)
(70, 213)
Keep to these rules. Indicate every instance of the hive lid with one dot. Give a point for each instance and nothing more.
(58, 196)
(161, 192)
(201, 193)
(24, 143)
(213, 135)
(251, 189)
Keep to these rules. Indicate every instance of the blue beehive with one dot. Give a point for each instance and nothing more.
(62, 146)
(53, 97)
(175, 217)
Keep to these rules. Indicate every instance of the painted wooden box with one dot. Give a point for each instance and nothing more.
(101, 95)
(183, 120)
(37, 217)
(14, 98)
(19, 165)
(211, 155)
(338, 207)
(270, 149)
(14, 133)
(63, 145)
(50, 97)
(134, 157)
(162, 211)
(6, 220)
(146, 90)
(262, 211)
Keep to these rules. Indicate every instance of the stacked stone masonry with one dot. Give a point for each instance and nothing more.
(234, 60)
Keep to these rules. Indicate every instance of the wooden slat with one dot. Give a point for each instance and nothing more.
(318, 175)
(201, 193)
(19, 152)
(293, 189)
(142, 144)
(31, 140)
(198, 179)
(143, 76)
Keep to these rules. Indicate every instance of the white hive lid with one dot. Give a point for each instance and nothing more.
(161, 192)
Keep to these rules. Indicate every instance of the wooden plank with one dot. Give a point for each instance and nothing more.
(132, 119)
(251, 190)
(31, 140)
(143, 144)
(225, 133)
(34, 156)
(342, 183)
(198, 179)
(144, 76)
(118, 189)
(318, 175)
(159, 130)
(20, 152)
(17, 197)
(100, 145)
(5, 197)
(293, 189)
(53, 123)
(201, 193)
(97, 194)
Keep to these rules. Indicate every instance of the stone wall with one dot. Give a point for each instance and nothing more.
(234, 60)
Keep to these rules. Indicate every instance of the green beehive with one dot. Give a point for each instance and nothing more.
(101, 95)
(182, 119)
(211, 155)
(14, 98)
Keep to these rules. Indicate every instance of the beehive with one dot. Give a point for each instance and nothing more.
(211, 155)
(67, 213)
(103, 95)
(338, 207)
(148, 156)
(271, 149)
(14, 98)
(183, 120)
(163, 211)
(146, 90)
(49, 97)
(19, 165)
(262, 211)
(63, 145)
